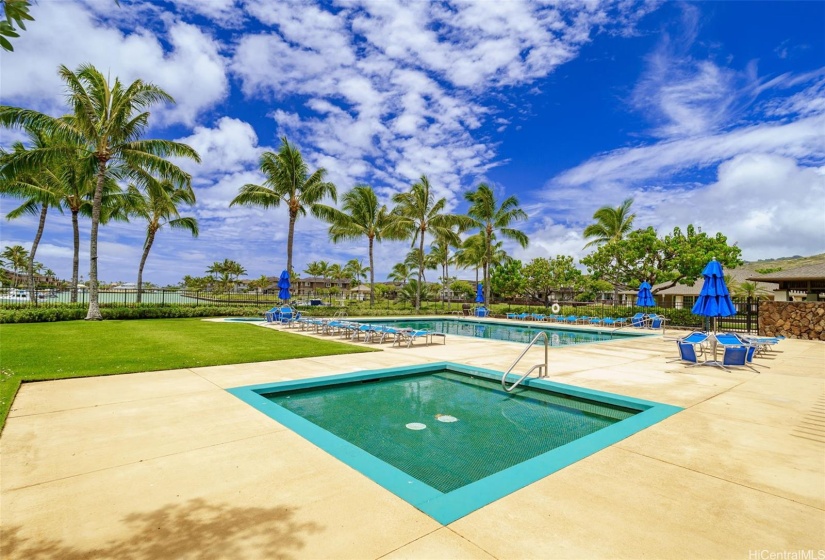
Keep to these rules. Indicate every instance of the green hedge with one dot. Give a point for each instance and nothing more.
(75, 312)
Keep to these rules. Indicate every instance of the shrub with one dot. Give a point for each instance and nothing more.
(75, 312)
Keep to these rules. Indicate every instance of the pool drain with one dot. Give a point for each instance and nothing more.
(445, 418)
(416, 426)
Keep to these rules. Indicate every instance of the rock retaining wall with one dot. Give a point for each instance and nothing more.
(793, 319)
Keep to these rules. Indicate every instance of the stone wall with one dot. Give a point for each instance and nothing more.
(793, 319)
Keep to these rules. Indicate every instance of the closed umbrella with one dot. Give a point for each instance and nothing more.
(283, 286)
(714, 300)
(479, 294)
(645, 297)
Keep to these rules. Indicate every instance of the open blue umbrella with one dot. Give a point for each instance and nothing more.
(714, 301)
(479, 294)
(645, 297)
(283, 286)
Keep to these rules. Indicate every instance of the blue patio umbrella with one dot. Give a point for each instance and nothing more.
(645, 296)
(479, 294)
(283, 286)
(714, 300)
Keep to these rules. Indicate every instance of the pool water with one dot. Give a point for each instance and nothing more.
(463, 428)
(444, 436)
(503, 331)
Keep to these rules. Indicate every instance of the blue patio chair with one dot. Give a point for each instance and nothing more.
(657, 321)
(570, 319)
(697, 339)
(411, 335)
(482, 312)
(639, 320)
(273, 315)
(737, 357)
(287, 315)
(511, 315)
(538, 316)
(687, 353)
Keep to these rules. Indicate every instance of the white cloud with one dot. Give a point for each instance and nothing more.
(768, 204)
(394, 84)
(228, 148)
(67, 33)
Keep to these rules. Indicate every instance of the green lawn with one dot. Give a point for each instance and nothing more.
(42, 351)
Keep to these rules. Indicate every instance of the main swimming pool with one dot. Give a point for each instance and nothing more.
(445, 437)
(507, 331)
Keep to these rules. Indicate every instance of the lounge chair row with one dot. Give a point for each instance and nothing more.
(365, 332)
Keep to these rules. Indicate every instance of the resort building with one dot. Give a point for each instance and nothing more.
(803, 283)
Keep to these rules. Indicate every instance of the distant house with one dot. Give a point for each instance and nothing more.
(315, 285)
(803, 283)
(124, 286)
(683, 297)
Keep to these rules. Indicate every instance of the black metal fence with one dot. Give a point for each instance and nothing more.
(745, 320)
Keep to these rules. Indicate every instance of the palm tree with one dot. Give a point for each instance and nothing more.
(400, 273)
(611, 224)
(40, 190)
(17, 256)
(104, 131)
(361, 216)
(356, 271)
(158, 205)
(750, 290)
(416, 214)
(313, 269)
(288, 180)
(492, 220)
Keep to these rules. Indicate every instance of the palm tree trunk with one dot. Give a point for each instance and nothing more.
(290, 236)
(487, 266)
(150, 238)
(76, 255)
(372, 276)
(35, 243)
(94, 310)
(420, 274)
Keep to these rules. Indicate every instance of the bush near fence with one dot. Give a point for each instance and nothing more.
(207, 304)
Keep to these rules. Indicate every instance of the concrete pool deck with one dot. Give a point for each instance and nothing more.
(170, 465)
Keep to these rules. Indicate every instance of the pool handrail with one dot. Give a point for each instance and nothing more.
(541, 367)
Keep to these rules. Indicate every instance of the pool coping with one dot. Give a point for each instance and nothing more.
(448, 507)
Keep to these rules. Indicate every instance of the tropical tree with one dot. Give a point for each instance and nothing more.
(356, 272)
(259, 284)
(676, 258)
(16, 256)
(750, 290)
(39, 190)
(492, 220)
(157, 203)
(400, 273)
(314, 269)
(361, 216)
(507, 279)
(16, 13)
(416, 214)
(288, 180)
(612, 224)
(104, 130)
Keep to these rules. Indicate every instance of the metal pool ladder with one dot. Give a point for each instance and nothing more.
(541, 367)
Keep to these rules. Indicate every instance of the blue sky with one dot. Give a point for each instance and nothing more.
(711, 113)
